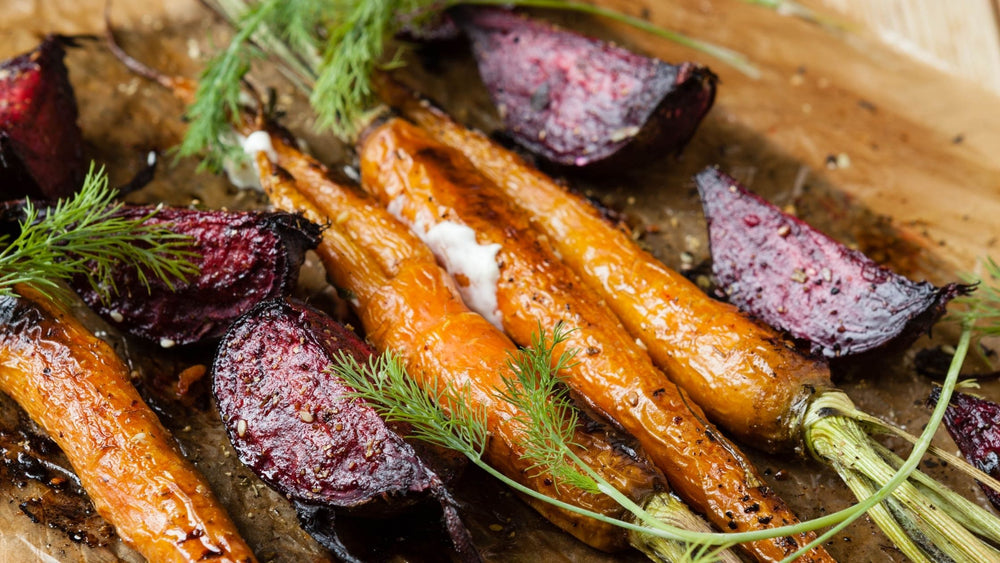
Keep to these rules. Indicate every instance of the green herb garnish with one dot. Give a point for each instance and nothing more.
(534, 387)
(84, 235)
(330, 49)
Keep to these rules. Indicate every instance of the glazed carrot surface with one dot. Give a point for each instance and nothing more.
(76, 388)
(427, 183)
(409, 305)
(746, 376)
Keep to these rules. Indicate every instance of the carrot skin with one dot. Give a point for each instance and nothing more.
(76, 388)
(425, 182)
(746, 376)
(418, 313)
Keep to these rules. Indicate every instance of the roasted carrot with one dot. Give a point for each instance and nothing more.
(408, 304)
(433, 188)
(76, 388)
(414, 304)
(748, 377)
(762, 397)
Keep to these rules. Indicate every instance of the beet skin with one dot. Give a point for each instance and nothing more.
(243, 258)
(575, 100)
(791, 276)
(41, 147)
(293, 423)
(974, 425)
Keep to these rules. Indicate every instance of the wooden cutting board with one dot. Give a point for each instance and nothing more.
(883, 152)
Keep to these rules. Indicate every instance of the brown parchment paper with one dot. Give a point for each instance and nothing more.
(123, 117)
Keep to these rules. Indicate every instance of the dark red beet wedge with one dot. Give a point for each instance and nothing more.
(243, 258)
(41, 147)
(294, 425)
(575, 100)
(974, 425)
(791, 276)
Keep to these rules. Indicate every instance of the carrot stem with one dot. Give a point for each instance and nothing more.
(837, 439)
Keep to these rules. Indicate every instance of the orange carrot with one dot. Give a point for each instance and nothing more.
(766, 386)
(748, 377)
(408, 304)
(431, 186)
(76, 388)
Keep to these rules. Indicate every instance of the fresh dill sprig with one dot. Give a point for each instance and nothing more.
(982, 308)
(84, 235)
(548, 418)
(343, 88)
(384, 383)
(217, 98)
(330, 49)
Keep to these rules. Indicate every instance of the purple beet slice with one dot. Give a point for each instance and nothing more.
(575, 100)
(293, 423)
(781, 270)
(974, 425)
(41, 147)
(243, 258)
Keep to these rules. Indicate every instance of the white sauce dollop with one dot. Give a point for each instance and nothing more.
(244, 174)
(456, 248)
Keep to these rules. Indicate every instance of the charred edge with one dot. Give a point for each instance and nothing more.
(318, 522)
(657, 113)
(461, 539)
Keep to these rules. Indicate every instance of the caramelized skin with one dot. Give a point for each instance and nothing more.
(747, 377)
(76, 388)
(408, 304)
(426, 183)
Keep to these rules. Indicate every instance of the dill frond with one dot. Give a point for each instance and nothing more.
(982, 307)
(330, 49)
(549, 418)
(217, 98)
(343, 89)
(83, 235)
(385, 385)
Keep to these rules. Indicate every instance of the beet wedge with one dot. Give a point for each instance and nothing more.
(781, 270)
(243, 258)
(974, 425)
(41, 146)
(575, 100)
(295, 426)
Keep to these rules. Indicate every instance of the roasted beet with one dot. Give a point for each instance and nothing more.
(575, 100)
(294, 425)
(243, 258)
(974, 425)
(791, 276)
(41, 147)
